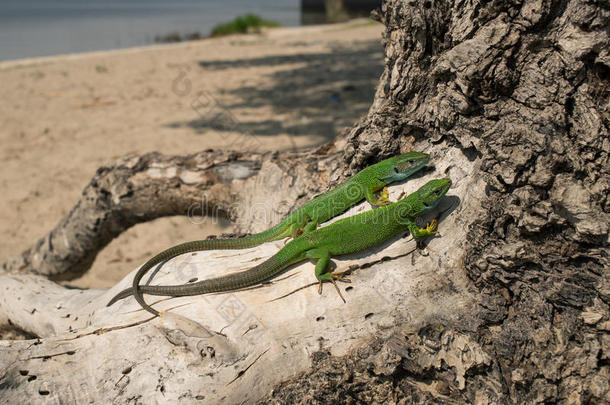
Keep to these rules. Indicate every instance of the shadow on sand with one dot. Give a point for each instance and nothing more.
(315, 94)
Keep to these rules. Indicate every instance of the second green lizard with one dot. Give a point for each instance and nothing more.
(362, 185)
(348, 235)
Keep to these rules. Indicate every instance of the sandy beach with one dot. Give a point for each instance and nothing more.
(63, 117)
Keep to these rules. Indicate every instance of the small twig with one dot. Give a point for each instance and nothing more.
(242, 372)
(48, 356)
(101, 331)
(293, 291)
(349, 270)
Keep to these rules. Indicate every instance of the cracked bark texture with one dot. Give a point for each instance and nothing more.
(520, 92)
(134, 189)
(524, 89)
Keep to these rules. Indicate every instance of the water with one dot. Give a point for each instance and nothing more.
(30, 28)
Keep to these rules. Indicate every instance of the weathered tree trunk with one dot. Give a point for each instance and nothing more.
(510, 304)
(133, 190)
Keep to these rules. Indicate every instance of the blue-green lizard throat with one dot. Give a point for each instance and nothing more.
(348, 235)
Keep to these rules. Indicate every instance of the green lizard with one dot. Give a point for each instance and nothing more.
(348, 235)
(362, 185)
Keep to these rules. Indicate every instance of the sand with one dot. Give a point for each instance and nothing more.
(63, 117)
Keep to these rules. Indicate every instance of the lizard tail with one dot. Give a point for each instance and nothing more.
(123, 294)
(277, 232)
(230, 282)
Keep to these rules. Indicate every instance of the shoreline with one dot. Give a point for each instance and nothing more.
(265, 32)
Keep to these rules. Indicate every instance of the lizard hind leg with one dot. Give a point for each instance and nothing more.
(310, 226)
(323, 265)
(296, 230)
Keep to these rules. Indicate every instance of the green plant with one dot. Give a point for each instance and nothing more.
(243, 24)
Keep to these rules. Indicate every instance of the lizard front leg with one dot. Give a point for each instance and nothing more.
(369, 194)
(420, 233)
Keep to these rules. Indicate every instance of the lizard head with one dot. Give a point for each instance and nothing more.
(403, 166)
(431, 193)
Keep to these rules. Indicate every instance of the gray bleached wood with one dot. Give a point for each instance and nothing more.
(211, 339)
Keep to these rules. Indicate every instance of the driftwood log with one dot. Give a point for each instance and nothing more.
(509, 305)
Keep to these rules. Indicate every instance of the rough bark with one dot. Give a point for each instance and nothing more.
(133, 190)
(523, 90)
(511, 303)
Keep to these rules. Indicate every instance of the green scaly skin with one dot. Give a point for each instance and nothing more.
(348, 235)
(363, 185)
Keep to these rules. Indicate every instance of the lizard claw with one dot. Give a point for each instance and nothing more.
(383, 197)
(339, 276)
(431, 228)
(338, 291)
(334, 277)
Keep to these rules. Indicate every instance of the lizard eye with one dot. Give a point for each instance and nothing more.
(437, 192)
